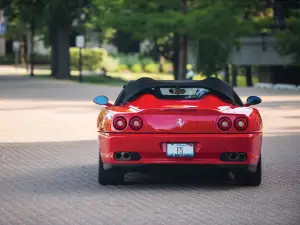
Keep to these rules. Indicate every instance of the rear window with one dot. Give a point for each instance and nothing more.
(180, 93)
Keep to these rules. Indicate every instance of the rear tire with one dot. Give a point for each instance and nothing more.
(109, 177)
(250, 178)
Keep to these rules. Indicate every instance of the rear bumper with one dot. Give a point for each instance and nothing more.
(152, 149)
(180, 167)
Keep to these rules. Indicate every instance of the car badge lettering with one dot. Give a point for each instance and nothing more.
(180, 122)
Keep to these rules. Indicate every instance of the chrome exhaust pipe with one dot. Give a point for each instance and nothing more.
(118, 156)
(233, 156)
(126, 156)
(242, 156)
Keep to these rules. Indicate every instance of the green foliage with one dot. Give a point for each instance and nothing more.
(16, 29)
(289, 40)
(212, 55)
(146, 60)
(137, 68)
(106, 35)
(111, 64)
(167, 68)
(41, 59)
(7, 60)
(21, 14)
(129, 59)
(92, 59)
(152, 68)
(214, 24)
(164, 23)
(123, 68)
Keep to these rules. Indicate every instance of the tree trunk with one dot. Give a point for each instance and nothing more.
(54, 47)
(32, 33)
(183, 47)
(226, 73)
(182, 59)
(22, 53)
(248, 70)
(234, 75)
(60, 52)
(161, 63)
(175, 66)
(175, 58)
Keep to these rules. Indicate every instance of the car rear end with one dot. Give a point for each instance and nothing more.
(182, 134)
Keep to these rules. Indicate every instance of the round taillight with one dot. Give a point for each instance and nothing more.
(224, 124)
(120, 123)
(241, 124)
(136, 123)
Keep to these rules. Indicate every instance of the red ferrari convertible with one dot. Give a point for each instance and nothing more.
(164, 124)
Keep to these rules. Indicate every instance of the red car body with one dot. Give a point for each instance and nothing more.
(185, 123)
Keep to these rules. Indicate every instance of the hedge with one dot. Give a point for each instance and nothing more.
(92, 59)
(137, 68)
(6, 60)
(152, 68)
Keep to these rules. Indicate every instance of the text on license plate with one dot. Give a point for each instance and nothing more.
(180, 149)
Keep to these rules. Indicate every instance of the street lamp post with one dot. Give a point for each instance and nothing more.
(81, 45)
(80, 64)
(80, 42)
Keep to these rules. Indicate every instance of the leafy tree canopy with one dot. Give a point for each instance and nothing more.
(289, 39)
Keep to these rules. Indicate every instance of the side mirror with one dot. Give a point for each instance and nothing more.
(101, 100)
(253, 100)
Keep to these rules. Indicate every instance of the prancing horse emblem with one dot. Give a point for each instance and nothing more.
(180, 122)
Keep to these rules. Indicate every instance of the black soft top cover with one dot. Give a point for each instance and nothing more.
(220, 88)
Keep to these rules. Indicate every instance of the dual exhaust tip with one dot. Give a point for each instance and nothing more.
(122, 156)
(234, 156)
(237, 156)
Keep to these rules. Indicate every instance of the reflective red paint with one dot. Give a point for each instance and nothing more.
(187, 121)
(152, 147)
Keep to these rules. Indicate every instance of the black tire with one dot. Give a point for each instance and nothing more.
(250, 178)
(109, 177)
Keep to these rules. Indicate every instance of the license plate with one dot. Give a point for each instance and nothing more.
(180, 149)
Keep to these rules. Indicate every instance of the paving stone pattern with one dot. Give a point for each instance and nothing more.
(48, 166)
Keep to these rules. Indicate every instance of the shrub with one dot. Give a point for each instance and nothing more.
(42, 59)
(152, 68)
(137, 68)
(7, 59)
(39, 59)
(167, 68)
(111, 64)
(123, 68)
(129, 59)
(92, 59)
(145, 61)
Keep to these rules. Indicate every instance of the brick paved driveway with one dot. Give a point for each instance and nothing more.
(48, 166)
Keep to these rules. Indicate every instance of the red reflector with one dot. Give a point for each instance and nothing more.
(136, 123)
(241, 124)
(224, 124)
(120, 123)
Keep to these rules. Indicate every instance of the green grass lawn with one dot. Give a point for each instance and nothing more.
(118, 79)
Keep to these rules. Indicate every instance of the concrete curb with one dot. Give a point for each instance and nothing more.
(286, 87)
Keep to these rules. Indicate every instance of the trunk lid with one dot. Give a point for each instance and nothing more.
(181, 120)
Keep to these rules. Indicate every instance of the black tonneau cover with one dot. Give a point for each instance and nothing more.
(134, 88)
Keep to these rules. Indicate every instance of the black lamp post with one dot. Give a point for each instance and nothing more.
(82, 17)
(81, 34)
